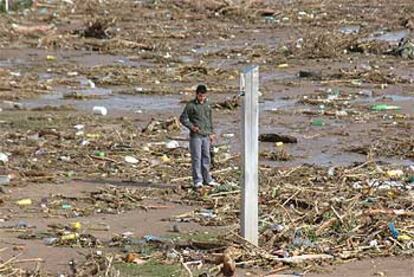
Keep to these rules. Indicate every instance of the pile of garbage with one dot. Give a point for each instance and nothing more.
(405, 49)
(309, 217)
(309, 213)
(401, 146)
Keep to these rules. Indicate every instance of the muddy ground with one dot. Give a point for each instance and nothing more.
(324, 69)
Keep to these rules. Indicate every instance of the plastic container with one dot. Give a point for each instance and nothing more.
(50, 241)
(131, 160)
(172, 144)
(70, 236)
(318, 122)
(4, 179)
(76, 225)
(4, 158)
(99, 110)
(394, 232)
(384, 107)
(24, 202)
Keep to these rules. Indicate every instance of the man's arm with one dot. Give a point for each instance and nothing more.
(212, 135)
(211, 121)
(185, 118)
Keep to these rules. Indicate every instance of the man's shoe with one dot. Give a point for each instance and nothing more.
(198, 185)
(213, 184)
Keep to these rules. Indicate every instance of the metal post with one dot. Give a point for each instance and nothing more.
(249, 83)
(6, 5)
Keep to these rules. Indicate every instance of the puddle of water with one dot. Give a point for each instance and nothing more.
(389, 36)
(277, 104)
(392, 97)
(320, 159)
(352, 29)
(213, 48)
(327, 160)
(398, 98)
(186, 59)
(94, 59)
(46, 76)
(111, 102)
(348, 159)
(331, 159)
(12, 62)
(278, 75)
(95, 92)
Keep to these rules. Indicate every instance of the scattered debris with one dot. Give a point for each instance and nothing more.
(98, 29)
(310, 216)
(280, 154)
(168, 125)
(228, 103)
(405, 49)
(277, 138)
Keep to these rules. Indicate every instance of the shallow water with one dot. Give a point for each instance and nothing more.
(390, 36)
(277, 104)
(351, 29)
(127, 103)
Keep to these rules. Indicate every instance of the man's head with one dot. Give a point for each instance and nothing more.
(201, 93)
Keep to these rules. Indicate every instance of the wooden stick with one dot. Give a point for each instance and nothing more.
(303, 258)
(325, 225)
(272, 273)
(337, 215)
(223, 193)
(358, 167)
(190, 274)
(284, 209)
(338, 81)
(37, 260)
(228, 159)
(102, 158)
(291, 171)
(109, 266)
(10, 260)
(292, 260)
(153, 207)
(291, 197)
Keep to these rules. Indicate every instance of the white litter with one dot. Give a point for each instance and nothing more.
(230, 135)
(131, 160)
(99, 110)
(91, 84)
(172, 144)
(79, 126)
(4, 158)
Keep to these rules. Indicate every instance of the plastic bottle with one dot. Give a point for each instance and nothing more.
(99, 110)
(394, 232)
(318, 122)
(24, 202)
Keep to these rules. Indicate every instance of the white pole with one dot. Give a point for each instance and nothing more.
(249, 83)
(6, 5)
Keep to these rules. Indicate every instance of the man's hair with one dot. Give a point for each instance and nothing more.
(201, 89)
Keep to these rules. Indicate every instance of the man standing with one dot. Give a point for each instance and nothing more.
(197, 118)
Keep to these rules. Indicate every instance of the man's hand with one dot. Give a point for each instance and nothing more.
(195, 129)
(213, 138)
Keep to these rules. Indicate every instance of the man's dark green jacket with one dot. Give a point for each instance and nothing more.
(197, 114)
